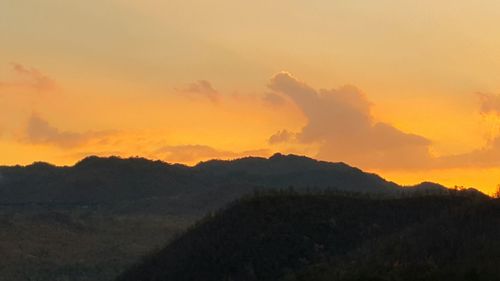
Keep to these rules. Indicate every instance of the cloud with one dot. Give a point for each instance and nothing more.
(196, 153)
(29, 78)
(201, 88)
(273, 99)
(489, 103)
(282, 136)
(39, 131)
(340, 121)
(488, 156)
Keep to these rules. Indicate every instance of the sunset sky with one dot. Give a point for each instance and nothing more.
(406, 89)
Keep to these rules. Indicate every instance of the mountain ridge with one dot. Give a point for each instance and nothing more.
(139, 184)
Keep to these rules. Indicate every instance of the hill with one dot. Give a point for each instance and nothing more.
(90, 221)
(140, 185)
(287, 236)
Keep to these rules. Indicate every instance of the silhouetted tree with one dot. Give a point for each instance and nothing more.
(497, 193)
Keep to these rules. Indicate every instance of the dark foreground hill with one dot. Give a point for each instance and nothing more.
(286, 236)
(140, 185)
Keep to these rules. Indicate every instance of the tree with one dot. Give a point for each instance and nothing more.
(497, 193)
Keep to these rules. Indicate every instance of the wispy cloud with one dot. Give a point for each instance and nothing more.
(200, 88)
(39, 131)
(282, 136)
(196, 153)
(488, 156)
(29, 78)
(489, 103)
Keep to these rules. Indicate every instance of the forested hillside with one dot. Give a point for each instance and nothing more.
(288, 236)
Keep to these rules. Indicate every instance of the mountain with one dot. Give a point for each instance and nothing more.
(288, 236)
(141, 185)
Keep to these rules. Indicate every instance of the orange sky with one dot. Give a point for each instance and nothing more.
(407, 89)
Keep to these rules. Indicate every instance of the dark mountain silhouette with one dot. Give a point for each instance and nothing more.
(287, 236)
(138, 184)
(91, 221)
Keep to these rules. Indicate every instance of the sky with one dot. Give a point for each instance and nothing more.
(406, 89)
